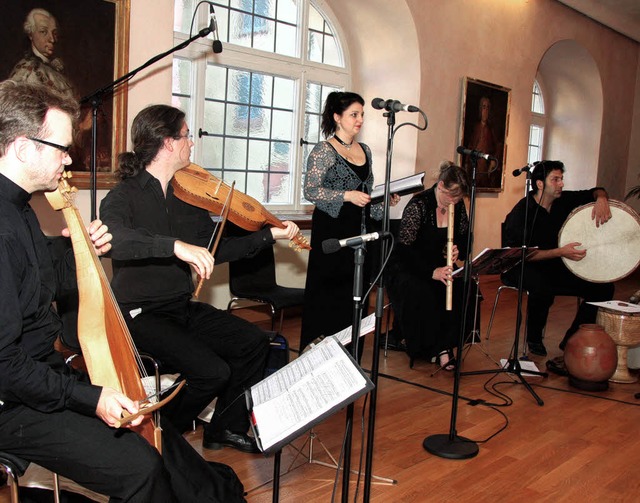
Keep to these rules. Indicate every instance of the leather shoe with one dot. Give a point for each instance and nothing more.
(240, 441)
(537, 348)
(557, 366)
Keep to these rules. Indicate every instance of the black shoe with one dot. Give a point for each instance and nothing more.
(240, 441)
(537, 348)
(557, 366)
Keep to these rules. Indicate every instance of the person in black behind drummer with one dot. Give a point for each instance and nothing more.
(545, 274)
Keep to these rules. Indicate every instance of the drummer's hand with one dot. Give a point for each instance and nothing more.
(601, 212)
(571, 252)
(442, 274)
(289, 231)
(196, 256)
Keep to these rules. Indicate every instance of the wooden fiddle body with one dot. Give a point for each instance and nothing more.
(198, 187)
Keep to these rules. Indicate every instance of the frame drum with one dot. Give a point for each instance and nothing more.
(613, 249)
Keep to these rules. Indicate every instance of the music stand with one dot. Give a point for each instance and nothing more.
(490, 261)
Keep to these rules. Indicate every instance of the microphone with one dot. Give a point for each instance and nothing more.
(524, 169)
(392, 106)
(213, 27)
(474, 153)
(333, 245)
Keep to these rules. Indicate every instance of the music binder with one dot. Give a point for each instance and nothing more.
(303, 393)
(401, 186)
(495, 261)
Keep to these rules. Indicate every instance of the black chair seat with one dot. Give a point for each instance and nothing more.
(17, 465)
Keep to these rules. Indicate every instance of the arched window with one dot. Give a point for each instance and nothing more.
(536, 130)
(255, 108)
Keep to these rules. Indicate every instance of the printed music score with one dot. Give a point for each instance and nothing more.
(401, 186)
(618, 305)
(309, 389)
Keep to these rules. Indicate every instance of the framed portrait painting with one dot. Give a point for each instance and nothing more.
(76, 47)
(484, 127)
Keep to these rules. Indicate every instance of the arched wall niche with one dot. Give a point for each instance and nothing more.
(574, 109)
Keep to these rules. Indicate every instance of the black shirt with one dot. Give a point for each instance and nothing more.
(32, 269)
(145, 226)
(543, 226)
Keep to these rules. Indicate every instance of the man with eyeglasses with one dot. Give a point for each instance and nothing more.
(545, 274)
(50, 414)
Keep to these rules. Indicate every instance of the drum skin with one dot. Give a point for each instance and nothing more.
(613, 249)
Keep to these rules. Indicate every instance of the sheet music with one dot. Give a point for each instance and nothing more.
(618, 305)
(402, 186)
(305, 389)
(367, 325)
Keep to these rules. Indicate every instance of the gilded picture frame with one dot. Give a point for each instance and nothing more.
(484, 127)
(90, 50)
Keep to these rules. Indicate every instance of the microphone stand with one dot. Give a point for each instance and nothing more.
(513, 365)
(96, 98)
(453, 446)
(359, 253)
(379, 313)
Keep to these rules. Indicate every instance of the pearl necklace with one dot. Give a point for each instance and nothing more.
(343, 143)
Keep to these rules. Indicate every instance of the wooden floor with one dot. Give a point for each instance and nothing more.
(576, 447)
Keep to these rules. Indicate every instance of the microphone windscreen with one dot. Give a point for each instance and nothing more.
(217, 46)
(330, 245)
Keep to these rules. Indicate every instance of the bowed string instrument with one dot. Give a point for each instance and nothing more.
(109, 353)
(198, 187)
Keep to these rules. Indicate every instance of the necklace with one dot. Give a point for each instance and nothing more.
(343, 143)
(442, 209)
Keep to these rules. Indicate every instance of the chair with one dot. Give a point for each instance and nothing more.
(15, 467)
(254, 279)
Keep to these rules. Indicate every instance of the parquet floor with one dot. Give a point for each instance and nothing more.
(576, 447)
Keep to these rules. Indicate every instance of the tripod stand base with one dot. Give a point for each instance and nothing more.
(443, 446)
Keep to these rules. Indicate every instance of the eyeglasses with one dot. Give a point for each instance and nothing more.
(189, 136)
(62, 148)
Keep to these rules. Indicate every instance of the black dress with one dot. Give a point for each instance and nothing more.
(418, 300)
(328, 297)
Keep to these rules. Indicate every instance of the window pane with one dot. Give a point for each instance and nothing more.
(536, 135)
(238, 86)
(181, 77)
(235, 154)
(261, 89)
(212, 152)
(182, 14)
(286, 41)
(213, 117)
(288, 11)
(237, 120)
(282, 125)
(215, 82)
(332, 54)
(260, 124)
(264, 34)
(283, 93)
(258, 155)
(537, 103)
(316, 21)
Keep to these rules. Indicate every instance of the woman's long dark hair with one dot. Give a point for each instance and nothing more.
(148, 132)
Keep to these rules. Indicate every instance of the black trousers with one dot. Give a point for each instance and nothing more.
(118, 463)
(219, 355)
(545, 280)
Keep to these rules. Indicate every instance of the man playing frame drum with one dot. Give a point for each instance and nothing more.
(545, 274)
